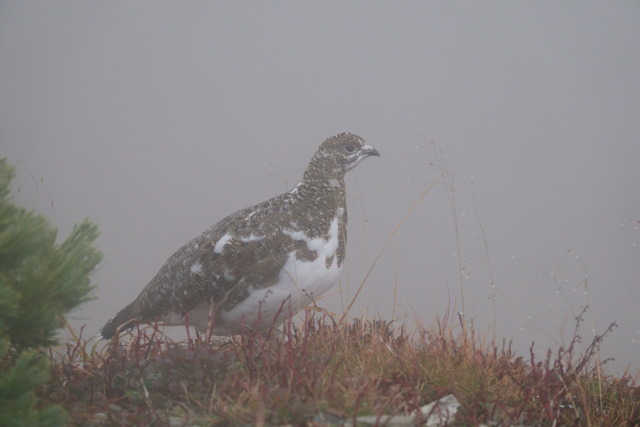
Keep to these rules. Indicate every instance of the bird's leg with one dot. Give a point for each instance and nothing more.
(212, 320)
(186, 325)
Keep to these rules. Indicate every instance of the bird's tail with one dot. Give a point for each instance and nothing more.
(124, 319)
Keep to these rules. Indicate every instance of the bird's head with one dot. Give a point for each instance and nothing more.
(343, 152)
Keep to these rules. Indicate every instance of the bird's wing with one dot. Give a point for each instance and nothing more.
(245, 250)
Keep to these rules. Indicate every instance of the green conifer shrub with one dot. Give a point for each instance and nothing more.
(40, 281)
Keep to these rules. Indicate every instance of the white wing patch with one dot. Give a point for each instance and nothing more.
(251, 238)
(196, 268)
(323, 248)
(227, 275)
(220, 244)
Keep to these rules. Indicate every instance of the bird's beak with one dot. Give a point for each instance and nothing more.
(370, 151)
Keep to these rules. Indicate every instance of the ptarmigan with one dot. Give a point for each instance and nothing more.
(259, 265)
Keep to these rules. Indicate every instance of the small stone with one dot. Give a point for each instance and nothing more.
(384, 420)
(178, 422)
(440, 411)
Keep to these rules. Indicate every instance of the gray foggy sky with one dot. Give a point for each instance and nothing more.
(157, 119)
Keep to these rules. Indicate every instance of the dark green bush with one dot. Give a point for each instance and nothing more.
(40, 281)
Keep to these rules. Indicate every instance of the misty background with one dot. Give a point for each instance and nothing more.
(157, 119)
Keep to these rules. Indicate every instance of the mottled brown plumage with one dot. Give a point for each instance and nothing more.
(262, 263)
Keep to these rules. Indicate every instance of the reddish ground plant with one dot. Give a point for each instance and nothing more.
(323, 372)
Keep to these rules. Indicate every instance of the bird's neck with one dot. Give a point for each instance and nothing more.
(322, 198)
(323, 192)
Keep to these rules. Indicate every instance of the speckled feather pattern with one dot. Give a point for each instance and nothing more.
(247, 251)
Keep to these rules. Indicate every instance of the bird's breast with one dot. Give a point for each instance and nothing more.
(301, 282)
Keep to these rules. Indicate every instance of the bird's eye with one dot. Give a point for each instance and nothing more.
(349, 148)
